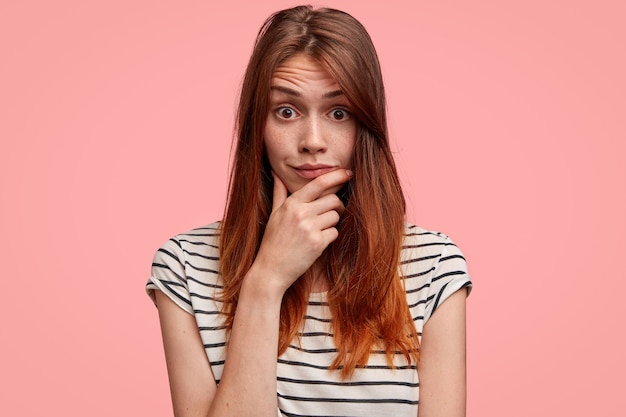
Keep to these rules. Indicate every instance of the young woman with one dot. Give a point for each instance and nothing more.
(313, 296)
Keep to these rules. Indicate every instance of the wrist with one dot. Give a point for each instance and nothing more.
(262, 285)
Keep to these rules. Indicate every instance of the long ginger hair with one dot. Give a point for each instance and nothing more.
(367, 298)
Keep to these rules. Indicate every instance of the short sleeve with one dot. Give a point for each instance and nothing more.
(449, 276)
(169, 276)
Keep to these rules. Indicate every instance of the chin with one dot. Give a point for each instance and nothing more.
(292, 188)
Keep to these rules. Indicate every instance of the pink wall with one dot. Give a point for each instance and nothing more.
(509, 122)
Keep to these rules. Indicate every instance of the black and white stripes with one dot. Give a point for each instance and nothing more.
(433, 267)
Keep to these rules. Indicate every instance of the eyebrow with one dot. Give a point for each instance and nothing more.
(294, 93)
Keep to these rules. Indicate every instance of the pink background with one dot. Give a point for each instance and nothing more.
(508, 118)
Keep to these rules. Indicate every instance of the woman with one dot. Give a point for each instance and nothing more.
(313, 296)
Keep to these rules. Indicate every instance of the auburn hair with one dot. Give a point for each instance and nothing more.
(367, 297)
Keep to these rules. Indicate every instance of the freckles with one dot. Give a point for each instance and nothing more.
(271, 136)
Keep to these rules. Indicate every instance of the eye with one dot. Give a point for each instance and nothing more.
(286, 113)
(339, 114)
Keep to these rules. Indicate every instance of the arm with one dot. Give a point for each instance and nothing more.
(300, 227)
(250, 370)
(192, 384)
(442, 365)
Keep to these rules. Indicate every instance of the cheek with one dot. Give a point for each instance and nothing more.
(348, 146)
(271, 142)
(274, 153)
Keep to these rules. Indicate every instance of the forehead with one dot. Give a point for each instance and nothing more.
(303, 71)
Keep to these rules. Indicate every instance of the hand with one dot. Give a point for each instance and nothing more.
(300, 227)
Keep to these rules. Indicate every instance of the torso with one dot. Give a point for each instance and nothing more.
(186, 268)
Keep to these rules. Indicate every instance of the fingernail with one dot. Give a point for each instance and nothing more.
(349, 172)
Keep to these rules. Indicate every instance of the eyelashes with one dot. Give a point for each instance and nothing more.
(337, 114)
(286, 113)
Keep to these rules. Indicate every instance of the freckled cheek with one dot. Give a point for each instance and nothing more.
(348, 142)
(273, 154)
(272, 140)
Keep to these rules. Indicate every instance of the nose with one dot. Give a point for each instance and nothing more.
(312, 138)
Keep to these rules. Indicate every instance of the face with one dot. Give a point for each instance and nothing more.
(310, 129)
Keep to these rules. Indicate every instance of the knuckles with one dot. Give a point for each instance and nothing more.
(317, 242)
(297, 214)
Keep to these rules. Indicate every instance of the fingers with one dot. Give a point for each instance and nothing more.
(329, 235)
(327, 203)
(301, 225)
(280, 192)
(317, 187)
(327, 220)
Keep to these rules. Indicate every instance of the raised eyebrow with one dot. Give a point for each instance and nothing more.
(332, 94)
(294, 93)
(286, 90)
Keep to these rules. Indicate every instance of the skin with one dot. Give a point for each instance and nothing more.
(309, 139)
(310, 132)
(310, 124)
(300, 227)
(442, 367)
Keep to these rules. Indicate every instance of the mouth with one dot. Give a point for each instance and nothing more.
(311, 171)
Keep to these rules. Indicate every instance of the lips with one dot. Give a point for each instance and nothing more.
(311, 171)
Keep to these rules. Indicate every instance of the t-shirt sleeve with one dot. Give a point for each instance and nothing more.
(449, 276)
(169, 276)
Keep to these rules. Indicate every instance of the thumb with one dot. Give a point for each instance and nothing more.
(280, 193)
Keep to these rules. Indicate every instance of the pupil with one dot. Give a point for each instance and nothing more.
(338, 114)
(287, 113)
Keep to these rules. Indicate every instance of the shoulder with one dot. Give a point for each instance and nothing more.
(202, 240)
(195, 251)
(422, 252)
(430, 248)
(185, 264)
(203, 236)
(420, 244)
(433, 268)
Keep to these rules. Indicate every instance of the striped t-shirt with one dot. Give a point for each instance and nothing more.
(185, 269)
